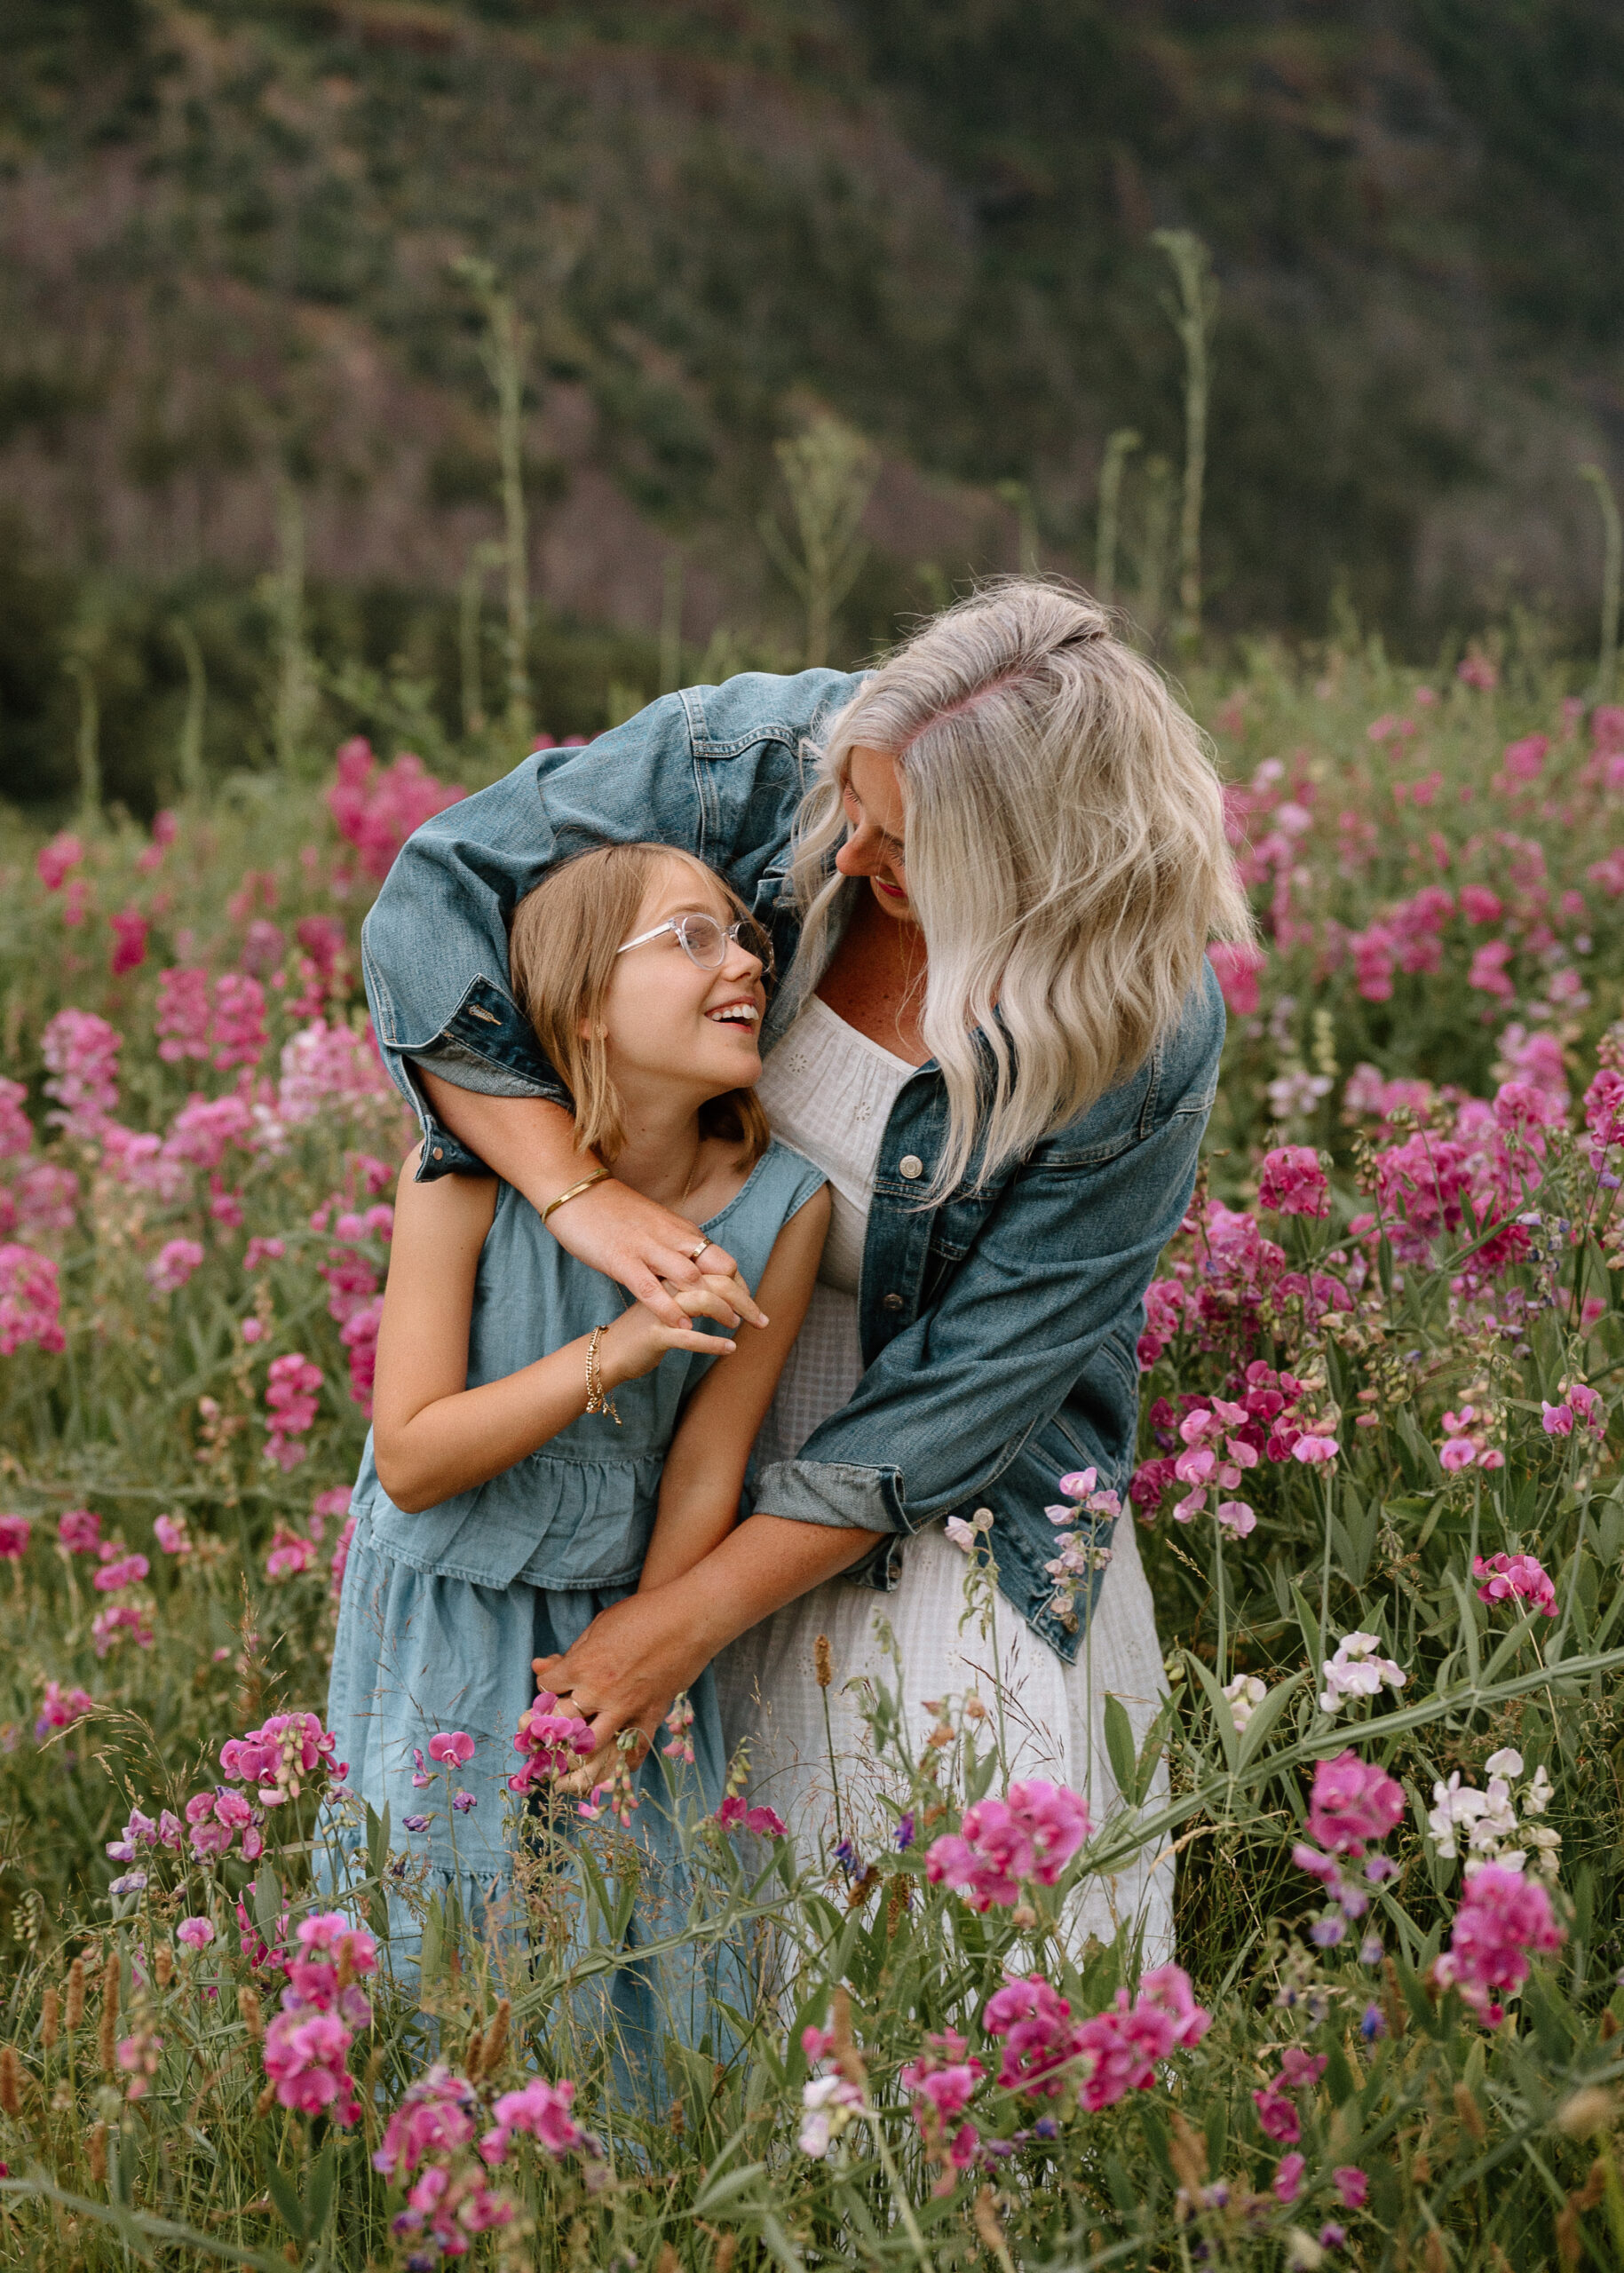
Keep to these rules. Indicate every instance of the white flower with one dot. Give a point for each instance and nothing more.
(1507, 1762)
(963, 1535)
(1486, 1822)
(1355, 1671)
(1245, 1693)
(1536, 1799)
(827, 2104)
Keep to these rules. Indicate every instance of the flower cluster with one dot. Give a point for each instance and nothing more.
(1503, 1916)
(1487, 1820)
(942, 2082)
(1273, 1415)
(1292, 1182)
(307, 2044)
(1114, 2052)
(378, 808)
(552, 1743)
(1466, 1441)
(1357, 1671)
(1352, 1806)
(290, 1399)
(31, 1300)
(734, 1815)
(1512, 1578)
(1032, 1834)
(1277, 2112)
(280, 1757)
(829, 2099)
(1087, 1512)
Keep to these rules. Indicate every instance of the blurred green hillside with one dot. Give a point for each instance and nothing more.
(228, 230)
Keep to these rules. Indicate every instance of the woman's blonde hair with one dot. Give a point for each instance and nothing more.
(1066, 856)
(561, 951)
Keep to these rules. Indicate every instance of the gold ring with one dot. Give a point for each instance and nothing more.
(694, 1253)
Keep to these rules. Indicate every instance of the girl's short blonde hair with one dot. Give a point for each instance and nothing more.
(561, 951)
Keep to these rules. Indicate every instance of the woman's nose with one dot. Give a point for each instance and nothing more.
(861, 854)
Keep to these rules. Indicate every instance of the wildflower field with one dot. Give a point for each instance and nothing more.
(1380, 1500)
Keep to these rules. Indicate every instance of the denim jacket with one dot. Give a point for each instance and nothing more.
(999, 1329)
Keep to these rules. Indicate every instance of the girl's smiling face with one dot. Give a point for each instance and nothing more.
(665, 1016)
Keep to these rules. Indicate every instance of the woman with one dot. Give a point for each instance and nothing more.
(997, 861)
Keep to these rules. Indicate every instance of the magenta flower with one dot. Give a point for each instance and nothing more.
(59, 1709)
(78, 1531)
(1032, 1834)
(16, 1129)
(119, 1570)
(1508, 1577)
(305, 2057)
(451, 1748)
(171, 1535)
(1291, 1182)
(1353, 1803)
(1351, 2183)
(1277, 2116)
(540, 2111)
(31, 1300)
(53, 862)
(1502, 1916)
(14, 1533)
(278, 1757)
(195, 1933)
(1287, 2182)
(129, 941)
(766, 1823)
(291, 1385)
(1039, 2035)
(552, 1742)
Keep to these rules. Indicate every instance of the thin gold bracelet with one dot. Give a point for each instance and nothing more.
(597, 1397)
(574, 1191)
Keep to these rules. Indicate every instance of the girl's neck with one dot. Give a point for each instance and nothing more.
(664, 1156)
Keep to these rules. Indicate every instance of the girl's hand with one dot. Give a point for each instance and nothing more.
(638, 1338)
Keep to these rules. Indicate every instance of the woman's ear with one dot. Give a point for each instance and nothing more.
(589, 1031)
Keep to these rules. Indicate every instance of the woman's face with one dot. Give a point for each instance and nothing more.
(877, 816)
(668, 1018)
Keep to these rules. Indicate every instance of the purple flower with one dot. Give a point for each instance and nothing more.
(415, 1822)
(905, 1829)
(463, 1800)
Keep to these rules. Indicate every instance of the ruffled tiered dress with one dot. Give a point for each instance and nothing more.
(441, 1612)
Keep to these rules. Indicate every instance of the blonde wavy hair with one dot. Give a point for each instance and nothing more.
(1066, 856)
(561, 949)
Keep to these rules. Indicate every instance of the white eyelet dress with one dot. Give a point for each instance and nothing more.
(829, 1091)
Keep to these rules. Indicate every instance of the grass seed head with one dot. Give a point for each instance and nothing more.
(50, 2018)
(75, 1995)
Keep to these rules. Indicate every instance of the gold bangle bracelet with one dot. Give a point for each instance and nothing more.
(574, 1191)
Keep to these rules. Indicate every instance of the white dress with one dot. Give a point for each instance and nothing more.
(829, 1091)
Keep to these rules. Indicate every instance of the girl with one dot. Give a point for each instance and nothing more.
(542, 1446)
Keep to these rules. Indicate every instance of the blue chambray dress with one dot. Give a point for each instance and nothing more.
(441, 1612)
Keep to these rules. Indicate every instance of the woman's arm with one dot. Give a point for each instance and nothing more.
(531, 1143)
(704, 1469)
(639, 1654)
(432, 1435)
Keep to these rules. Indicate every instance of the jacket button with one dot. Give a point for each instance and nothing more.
(911, 1166)
(891, 1302)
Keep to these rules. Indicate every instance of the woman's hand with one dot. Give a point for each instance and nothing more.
(627, 1669)
(530, 1144)
(639, 1338)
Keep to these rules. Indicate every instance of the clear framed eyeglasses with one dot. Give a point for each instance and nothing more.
(705, 942)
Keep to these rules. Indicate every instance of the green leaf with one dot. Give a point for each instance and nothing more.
(1259, 1728)
(1119, 1745)
(319, 2193)
(1224, 1720)
(267, 1901)
(724, 2188)
(284, 2193)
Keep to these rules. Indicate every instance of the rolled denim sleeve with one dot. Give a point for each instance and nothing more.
(1039, 1318)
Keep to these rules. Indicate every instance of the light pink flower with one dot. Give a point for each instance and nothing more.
(1032, 1834)
(16, 1129)
(1315, 1451)
(181, 1022)
(118, 1570)
(195, 1933)
(171, 1531)
(305, 2057)
(81, 1053)
(541, 2111)
(176, 1261)
(53, 862)
(290, 1393)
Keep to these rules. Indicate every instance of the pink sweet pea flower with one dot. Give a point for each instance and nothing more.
(451, 1748)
